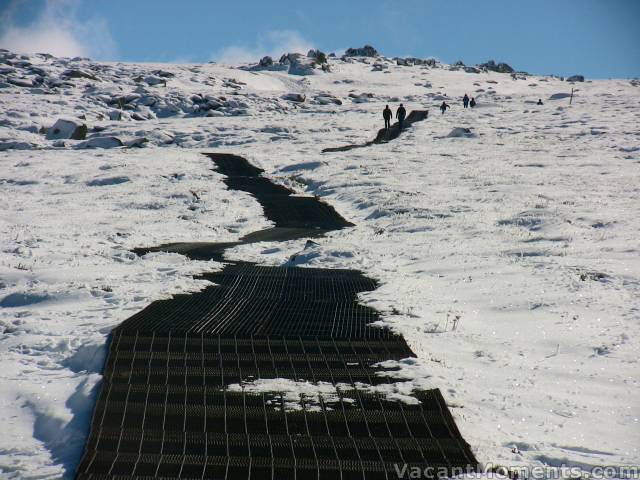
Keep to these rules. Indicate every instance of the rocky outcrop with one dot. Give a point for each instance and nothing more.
(575, 78)
(366, 51)
(492, 66)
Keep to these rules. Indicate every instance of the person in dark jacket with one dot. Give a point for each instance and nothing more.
(465, 101)
(400, 114)
(444, 106)
(472, 103)
(539, 102)
(387, 115)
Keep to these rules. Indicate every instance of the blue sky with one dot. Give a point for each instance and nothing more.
(596, 38)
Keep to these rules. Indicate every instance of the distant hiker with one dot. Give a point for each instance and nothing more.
(400, 114)
(472, 103)
(539, 102)
(465, 100)
(443, 107)
(387, 115)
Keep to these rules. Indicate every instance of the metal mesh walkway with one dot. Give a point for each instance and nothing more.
(176, 399)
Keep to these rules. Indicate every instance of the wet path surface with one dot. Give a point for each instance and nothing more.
(172, 403)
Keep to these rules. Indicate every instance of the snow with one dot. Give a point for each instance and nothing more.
(508, 259)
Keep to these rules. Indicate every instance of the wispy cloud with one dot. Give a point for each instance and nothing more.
(57, 30)
(273, 43)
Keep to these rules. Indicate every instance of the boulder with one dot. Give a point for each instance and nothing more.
(101, 142)
(137, 142)
(294, 97)
(67, 128)
(461, 132)
(163, 74)
(366, 51)
(575, 78)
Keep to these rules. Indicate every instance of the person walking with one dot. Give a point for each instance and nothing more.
(472, 103)
(444, 106)
(387, 115)
(465, 101)
(400, 114)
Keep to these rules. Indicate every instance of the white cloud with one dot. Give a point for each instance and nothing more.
(273, 43)
(58, 31)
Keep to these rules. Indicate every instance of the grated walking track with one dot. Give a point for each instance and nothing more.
(172, 406)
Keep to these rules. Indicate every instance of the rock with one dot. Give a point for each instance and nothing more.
(20, 82)
(559, 96)
(361, 97)
(471, 70)
(327, 100)
(101, 142)
(378, 67)
(299, 64)
(266, 61)
(366, 51)
(154, 80)
(575, 78)
(461, 132)
(77, 73)
(67, 128)
(491, 66)
(137, 142)
(163, 74)
(14, 145)
(294, 97)
(115, 115)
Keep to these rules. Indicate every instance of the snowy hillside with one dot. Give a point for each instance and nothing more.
(508, 256)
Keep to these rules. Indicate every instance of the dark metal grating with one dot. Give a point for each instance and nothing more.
(172, 406)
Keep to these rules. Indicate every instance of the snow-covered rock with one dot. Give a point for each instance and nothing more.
(78, 73)
(15, 145)
(68, 129)
(575, 78)
(101, 142)
(294, 97)
(461, 132)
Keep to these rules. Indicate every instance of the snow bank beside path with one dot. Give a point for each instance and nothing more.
(67, 278)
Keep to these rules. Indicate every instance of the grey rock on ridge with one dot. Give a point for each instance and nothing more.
(366, 51)
(575, 78)
(492, 66)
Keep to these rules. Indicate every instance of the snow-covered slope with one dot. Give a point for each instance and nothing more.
(508, 258)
